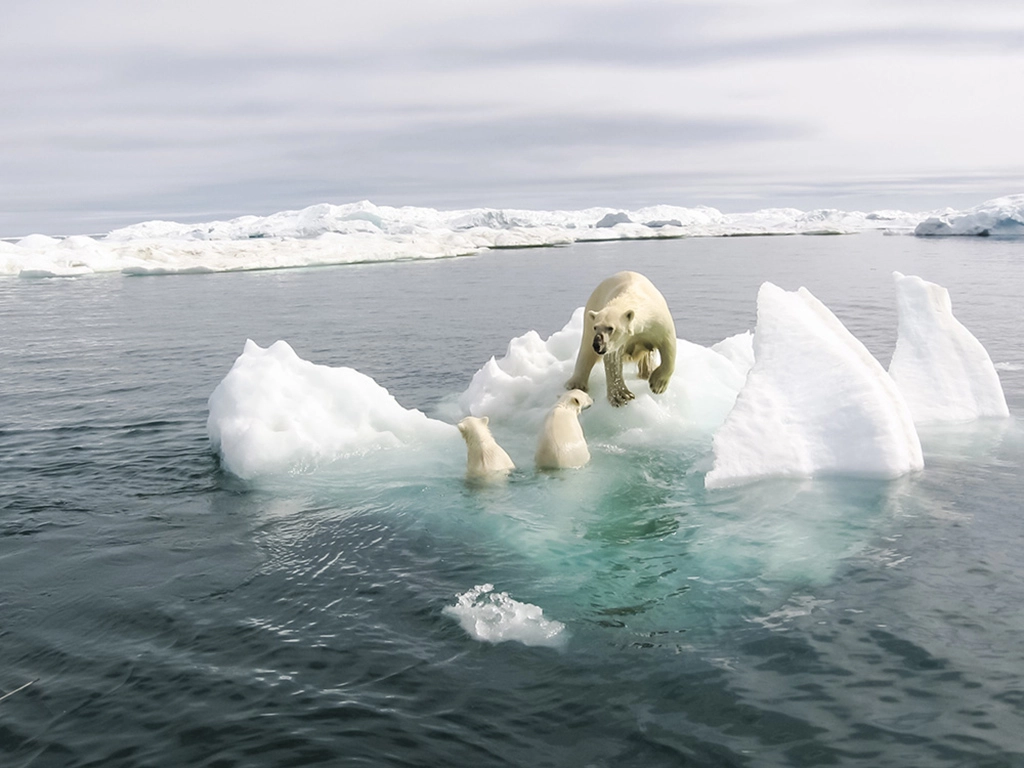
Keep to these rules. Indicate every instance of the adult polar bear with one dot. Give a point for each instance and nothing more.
(626, 319)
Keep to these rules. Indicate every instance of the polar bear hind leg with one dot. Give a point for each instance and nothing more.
(660, 376)
(642, 355)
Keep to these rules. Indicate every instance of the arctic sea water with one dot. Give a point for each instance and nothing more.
(376, 610)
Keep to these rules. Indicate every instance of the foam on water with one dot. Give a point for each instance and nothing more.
(494, 617)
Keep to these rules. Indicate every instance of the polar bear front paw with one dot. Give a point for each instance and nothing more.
(658, 381)
(620, 396)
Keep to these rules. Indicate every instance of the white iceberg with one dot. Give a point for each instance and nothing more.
(943, 371)
(1002, 217)
(814, 402)
(276, 413)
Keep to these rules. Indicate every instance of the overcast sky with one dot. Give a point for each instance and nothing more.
(115, 112)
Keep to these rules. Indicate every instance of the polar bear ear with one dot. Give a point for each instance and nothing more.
(484, 420)
(629, 316)
(592, 315)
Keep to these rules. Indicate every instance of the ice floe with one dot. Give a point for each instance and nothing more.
(799, 397)
(275, 412)
(943, 371)
(494, 617)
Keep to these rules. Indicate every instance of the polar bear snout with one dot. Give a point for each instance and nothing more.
(602, 339)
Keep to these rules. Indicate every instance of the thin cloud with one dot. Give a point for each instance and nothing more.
(114, 106)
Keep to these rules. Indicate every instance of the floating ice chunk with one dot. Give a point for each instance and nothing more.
(943, 371)
(494, 617)
(1002, 217)
(275, 412)
(815, 401)
(739, 350)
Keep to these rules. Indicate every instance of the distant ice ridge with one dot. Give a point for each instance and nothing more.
(326, 234)
(494, 617)
(1002, 217)
(799, 397)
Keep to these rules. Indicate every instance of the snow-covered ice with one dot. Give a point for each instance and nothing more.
(359, 232)
(524, 384)
(943, 371)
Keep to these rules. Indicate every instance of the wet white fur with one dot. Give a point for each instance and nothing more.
(631, 319)
(485, 458)
(562, 444)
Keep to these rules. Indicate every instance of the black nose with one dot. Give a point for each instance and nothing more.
(598, 347)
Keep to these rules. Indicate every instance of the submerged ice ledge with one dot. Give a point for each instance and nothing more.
(360, 232)
(799, 397)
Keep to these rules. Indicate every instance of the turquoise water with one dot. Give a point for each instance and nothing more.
(169, 614)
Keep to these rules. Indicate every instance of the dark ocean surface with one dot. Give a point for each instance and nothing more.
(168, 614)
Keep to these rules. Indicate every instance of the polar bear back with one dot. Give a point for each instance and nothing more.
(484, 457)
(562, 444)
(631, 290)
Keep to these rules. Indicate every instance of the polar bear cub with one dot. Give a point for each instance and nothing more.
(626, 319)
(562, 444)
(485, 458)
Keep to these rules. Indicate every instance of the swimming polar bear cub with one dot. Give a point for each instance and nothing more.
(626, 319)
(484, 457)
(562, 444)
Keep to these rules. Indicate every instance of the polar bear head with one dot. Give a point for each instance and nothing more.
(474, 429)
(484, 456)
(575, 400)
(611, 328)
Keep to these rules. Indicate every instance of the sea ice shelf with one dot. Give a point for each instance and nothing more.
(359, 232)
